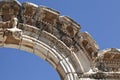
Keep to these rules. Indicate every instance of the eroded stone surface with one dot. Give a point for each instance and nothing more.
(58, 40)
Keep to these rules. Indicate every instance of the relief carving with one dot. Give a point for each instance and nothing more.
(47, 16)
(28, 13)
(59, 35)
(68, 27)
(67, 40)
(8, 10)
(12, 35)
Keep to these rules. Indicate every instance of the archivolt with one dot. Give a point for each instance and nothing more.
(42, 31)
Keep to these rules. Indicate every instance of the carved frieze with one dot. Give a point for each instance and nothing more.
(29, 30)
(57, 39)
(12, 35)
(28, 12)
(8, 10)
(89, 44)
(110, 58)
(47, 15)
(67, 40)
(69, 27)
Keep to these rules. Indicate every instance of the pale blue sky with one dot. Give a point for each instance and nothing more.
(101, 18)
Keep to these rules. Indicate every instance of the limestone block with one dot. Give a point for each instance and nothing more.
(53, 57)
(78, 38)
(69, 27)
(47, 15)
(1, 34)
(28, 11)
(67, 65)
(40, 50)
(76, 63)
(84, 61)
(40, 25)
(29, 30)
(89, 45)
(47, 38)
(68, 61)
(61, 71)
(51, 62)
(69, 77)
(87, 36)
(27, 44)
(32, 32)
(8, 24)
(48, 28)
(56, 33)
(1, 26)
(12, 39)
(9, 9)
(75, 48)
(1, 38)
(64, 50)
(15, 9)
(67, 40)
(56, 39)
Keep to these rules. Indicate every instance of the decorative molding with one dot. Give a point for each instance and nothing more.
(57, 39)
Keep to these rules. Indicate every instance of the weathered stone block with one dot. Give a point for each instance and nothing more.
(67, 40)
(28, 11)
(40, 50)
(89, 45)
(69, 27)
(9, 9)
(1, 38)
(12, 39)
(29, 30)
(27, 44)
(47, 15)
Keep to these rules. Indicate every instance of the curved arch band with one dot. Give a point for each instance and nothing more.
(57, 39)
(42, 31)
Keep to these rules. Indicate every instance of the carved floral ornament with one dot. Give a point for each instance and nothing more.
(57, 39)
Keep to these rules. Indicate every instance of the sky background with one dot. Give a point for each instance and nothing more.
(101, 18)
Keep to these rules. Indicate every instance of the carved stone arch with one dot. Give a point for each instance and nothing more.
(60, 45)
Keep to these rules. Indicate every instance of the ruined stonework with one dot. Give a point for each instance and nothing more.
(56, 39)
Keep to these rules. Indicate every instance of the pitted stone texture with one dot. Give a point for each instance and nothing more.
(8, 9)
(109, 60)
(57, 39)
(69, 27)
(42, 31)
(28, 11)
(47, 15)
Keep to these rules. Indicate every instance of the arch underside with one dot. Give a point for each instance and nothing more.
(42, 31)
(43, 48)
(56, 39)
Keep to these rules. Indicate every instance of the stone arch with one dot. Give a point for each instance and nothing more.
(47, 34)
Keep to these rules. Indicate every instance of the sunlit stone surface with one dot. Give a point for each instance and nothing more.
(57, 39)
